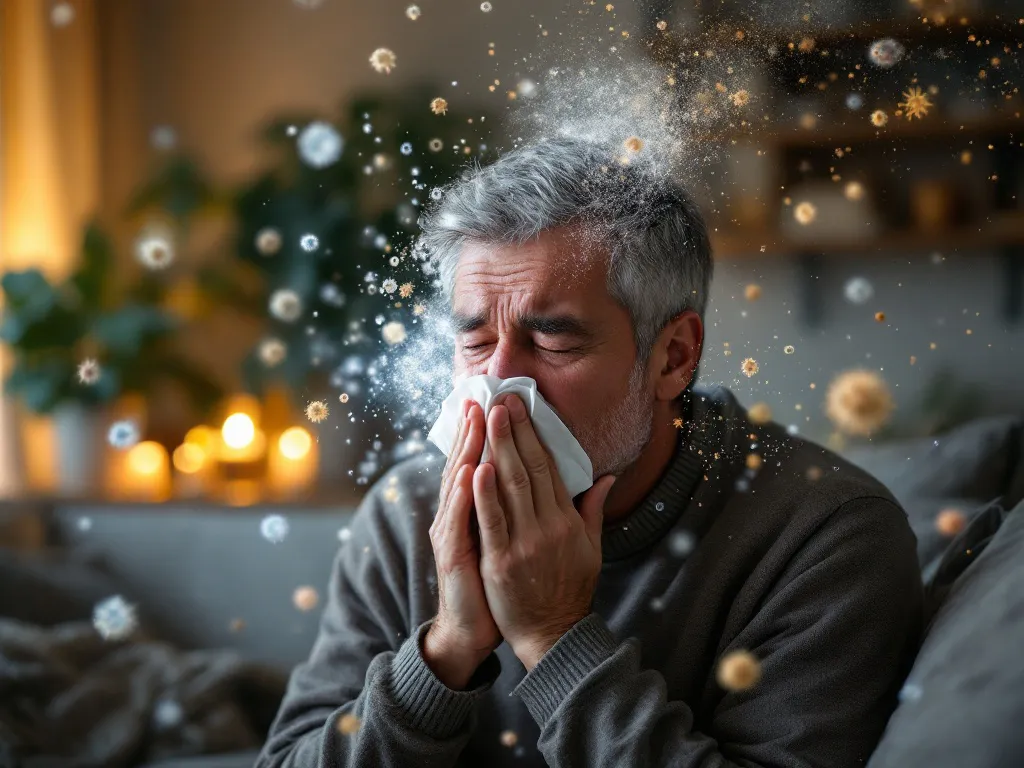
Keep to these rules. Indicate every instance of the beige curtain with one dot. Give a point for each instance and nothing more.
(49, 175)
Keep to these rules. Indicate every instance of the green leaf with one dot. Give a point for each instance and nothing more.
(40, 386)
(28, 293)
(97, 261)
(124, 330)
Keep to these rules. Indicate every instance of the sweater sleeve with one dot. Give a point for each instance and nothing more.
(363, 697)
(833, 636)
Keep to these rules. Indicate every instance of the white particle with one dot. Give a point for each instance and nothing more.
(344, 534)
(681, 543)
(114, 618)
(320, 144)
(274, 528)
(309, 243)
(660, 506)
(123, 434)
(858, 290)
(406, 148)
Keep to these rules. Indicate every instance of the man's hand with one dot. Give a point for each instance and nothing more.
(464, 633)
(540, 557)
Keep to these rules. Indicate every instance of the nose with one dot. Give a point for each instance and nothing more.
(507, 360)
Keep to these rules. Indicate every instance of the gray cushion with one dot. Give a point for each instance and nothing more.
(963, 703)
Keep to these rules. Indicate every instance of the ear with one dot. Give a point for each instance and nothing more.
(676, 354)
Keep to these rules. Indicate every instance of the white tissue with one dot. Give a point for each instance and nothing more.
(572, 461)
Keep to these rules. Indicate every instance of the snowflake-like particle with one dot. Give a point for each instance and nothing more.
(114, 618)
(272, 352)
(154, 251)
(88, 371)
(123, 434)
(749, 367)
(317, 411)
(405, 291)
(413, 12)
(885, 53)
(320, 144)
(285, 305)
(741, 98)
(389, 286)
(858, 290)
(274, 528)
(916, 104)
(268, 241)
(393, 333)
(383, 60)
(309, 243)
(879, 118)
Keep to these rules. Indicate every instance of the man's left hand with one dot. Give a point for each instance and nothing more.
(540, 557)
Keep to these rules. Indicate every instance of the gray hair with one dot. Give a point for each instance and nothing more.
(660, 255)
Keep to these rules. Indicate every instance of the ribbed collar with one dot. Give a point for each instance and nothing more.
(705, 432)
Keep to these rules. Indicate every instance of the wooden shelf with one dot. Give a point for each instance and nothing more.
(1006, 230)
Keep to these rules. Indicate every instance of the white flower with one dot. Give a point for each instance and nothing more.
(114, 618)
(123, 434)
(320, 144)
(286, 305)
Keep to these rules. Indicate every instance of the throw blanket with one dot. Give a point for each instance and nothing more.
(69, 698)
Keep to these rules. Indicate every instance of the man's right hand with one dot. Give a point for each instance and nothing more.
(463, 633)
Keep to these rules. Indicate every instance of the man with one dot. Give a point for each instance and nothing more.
(589, 631)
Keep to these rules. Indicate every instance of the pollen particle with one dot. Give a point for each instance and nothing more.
(317, 411)
(754, 461)
(858, 402)
(738, 671)
(880, 317)
(789, 349)
(805, 213)
(348, 723)
(853, 190)
(879, 118)
(677, 423)
(916, 104)
(508, 738)
(413, 12)
(950, 522)
(88, 371)
(439, 106)
(759, 413)
(752, 292)
(405, 291)
(662, 26)
(741, 98)
(305, 598)
(633, 144)
(383, 60)
(749, 367)
(343, 397)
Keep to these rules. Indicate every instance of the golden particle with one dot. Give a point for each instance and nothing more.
(343, 397)
(738, 671)
(662, 25)
(858, 402)
(508, 738)
(880, 317)
(677, 423)
(305, 598)
(609, 7)
(390, 494)
(806, 45)
(317, 411)
(740, 98)
(439, 106)
(950, 522)
(749, 367)
(752, 292)
(853, 190)
(633, 144)
(916, 104)
(759, 413)
(966, 157)
(913, 359)
(753, 461)
(405, 291)
(418, 309)
(814, 474)
(348, 723)
(383, 60)
(805, 213)
(879, 118)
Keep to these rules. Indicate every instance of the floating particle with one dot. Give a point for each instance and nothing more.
(154, 250)
(391, 494)
(633, 144)
(320, 144)
(272, 352)
(274, 528)
(858, 290)
(123, 434)
(740, 98)
(660, 506)
(526, 88)
(389, 286)
(344, 534)
(805, 213)
(814, 474)
(879, 118)
(880, 317)
(88, 371)
(749, 367)
(759, 413)
(84, 524)
(163, 137)
(413, 12)
(853, 190)
(236, 625)
(789, 349)
(381, 161)
(317, 411)
(62, 14)
(418, 309)
(405, 291)
(662, 26)
(114, 618)
(754, 461)
(508, 738)
(909, 693)
(950, 522)
(343, 397)
(858, 402)
(738, 671)
(167, 714)
(657, 604)
(486, 7)
(305, 598)
(966, 157)
(393, 333)
(383, 60)
(348, 723)
(677, 423)
(435, 145)
(268, 241)
(285, 305)
(885, 53)
(854, 101)
(309, 243)
(406, 149)
(393, 261)
(681, 543)
(917, 103)
(439, 106)
(752, 292)
(806, 45)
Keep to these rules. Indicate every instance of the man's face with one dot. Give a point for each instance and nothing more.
(543, 310)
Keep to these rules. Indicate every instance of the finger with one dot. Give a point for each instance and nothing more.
(513, 479)
(535, 459)
(457, 537)
(491, 520)
(452, 466)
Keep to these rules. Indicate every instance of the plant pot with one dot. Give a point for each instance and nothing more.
(78, 449)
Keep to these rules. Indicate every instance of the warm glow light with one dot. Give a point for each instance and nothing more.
(295, 443)
(146, 458)
(238, 430)
(202, 437)
(189, 458)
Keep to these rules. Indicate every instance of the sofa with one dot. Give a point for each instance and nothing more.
(217, 617)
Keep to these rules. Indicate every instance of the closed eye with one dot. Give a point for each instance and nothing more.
(469, 348)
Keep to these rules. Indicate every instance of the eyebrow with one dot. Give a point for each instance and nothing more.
(549, 325)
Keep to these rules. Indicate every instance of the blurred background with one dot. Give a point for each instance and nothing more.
(209, 291)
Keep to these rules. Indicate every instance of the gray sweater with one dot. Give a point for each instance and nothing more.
(807, 562)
